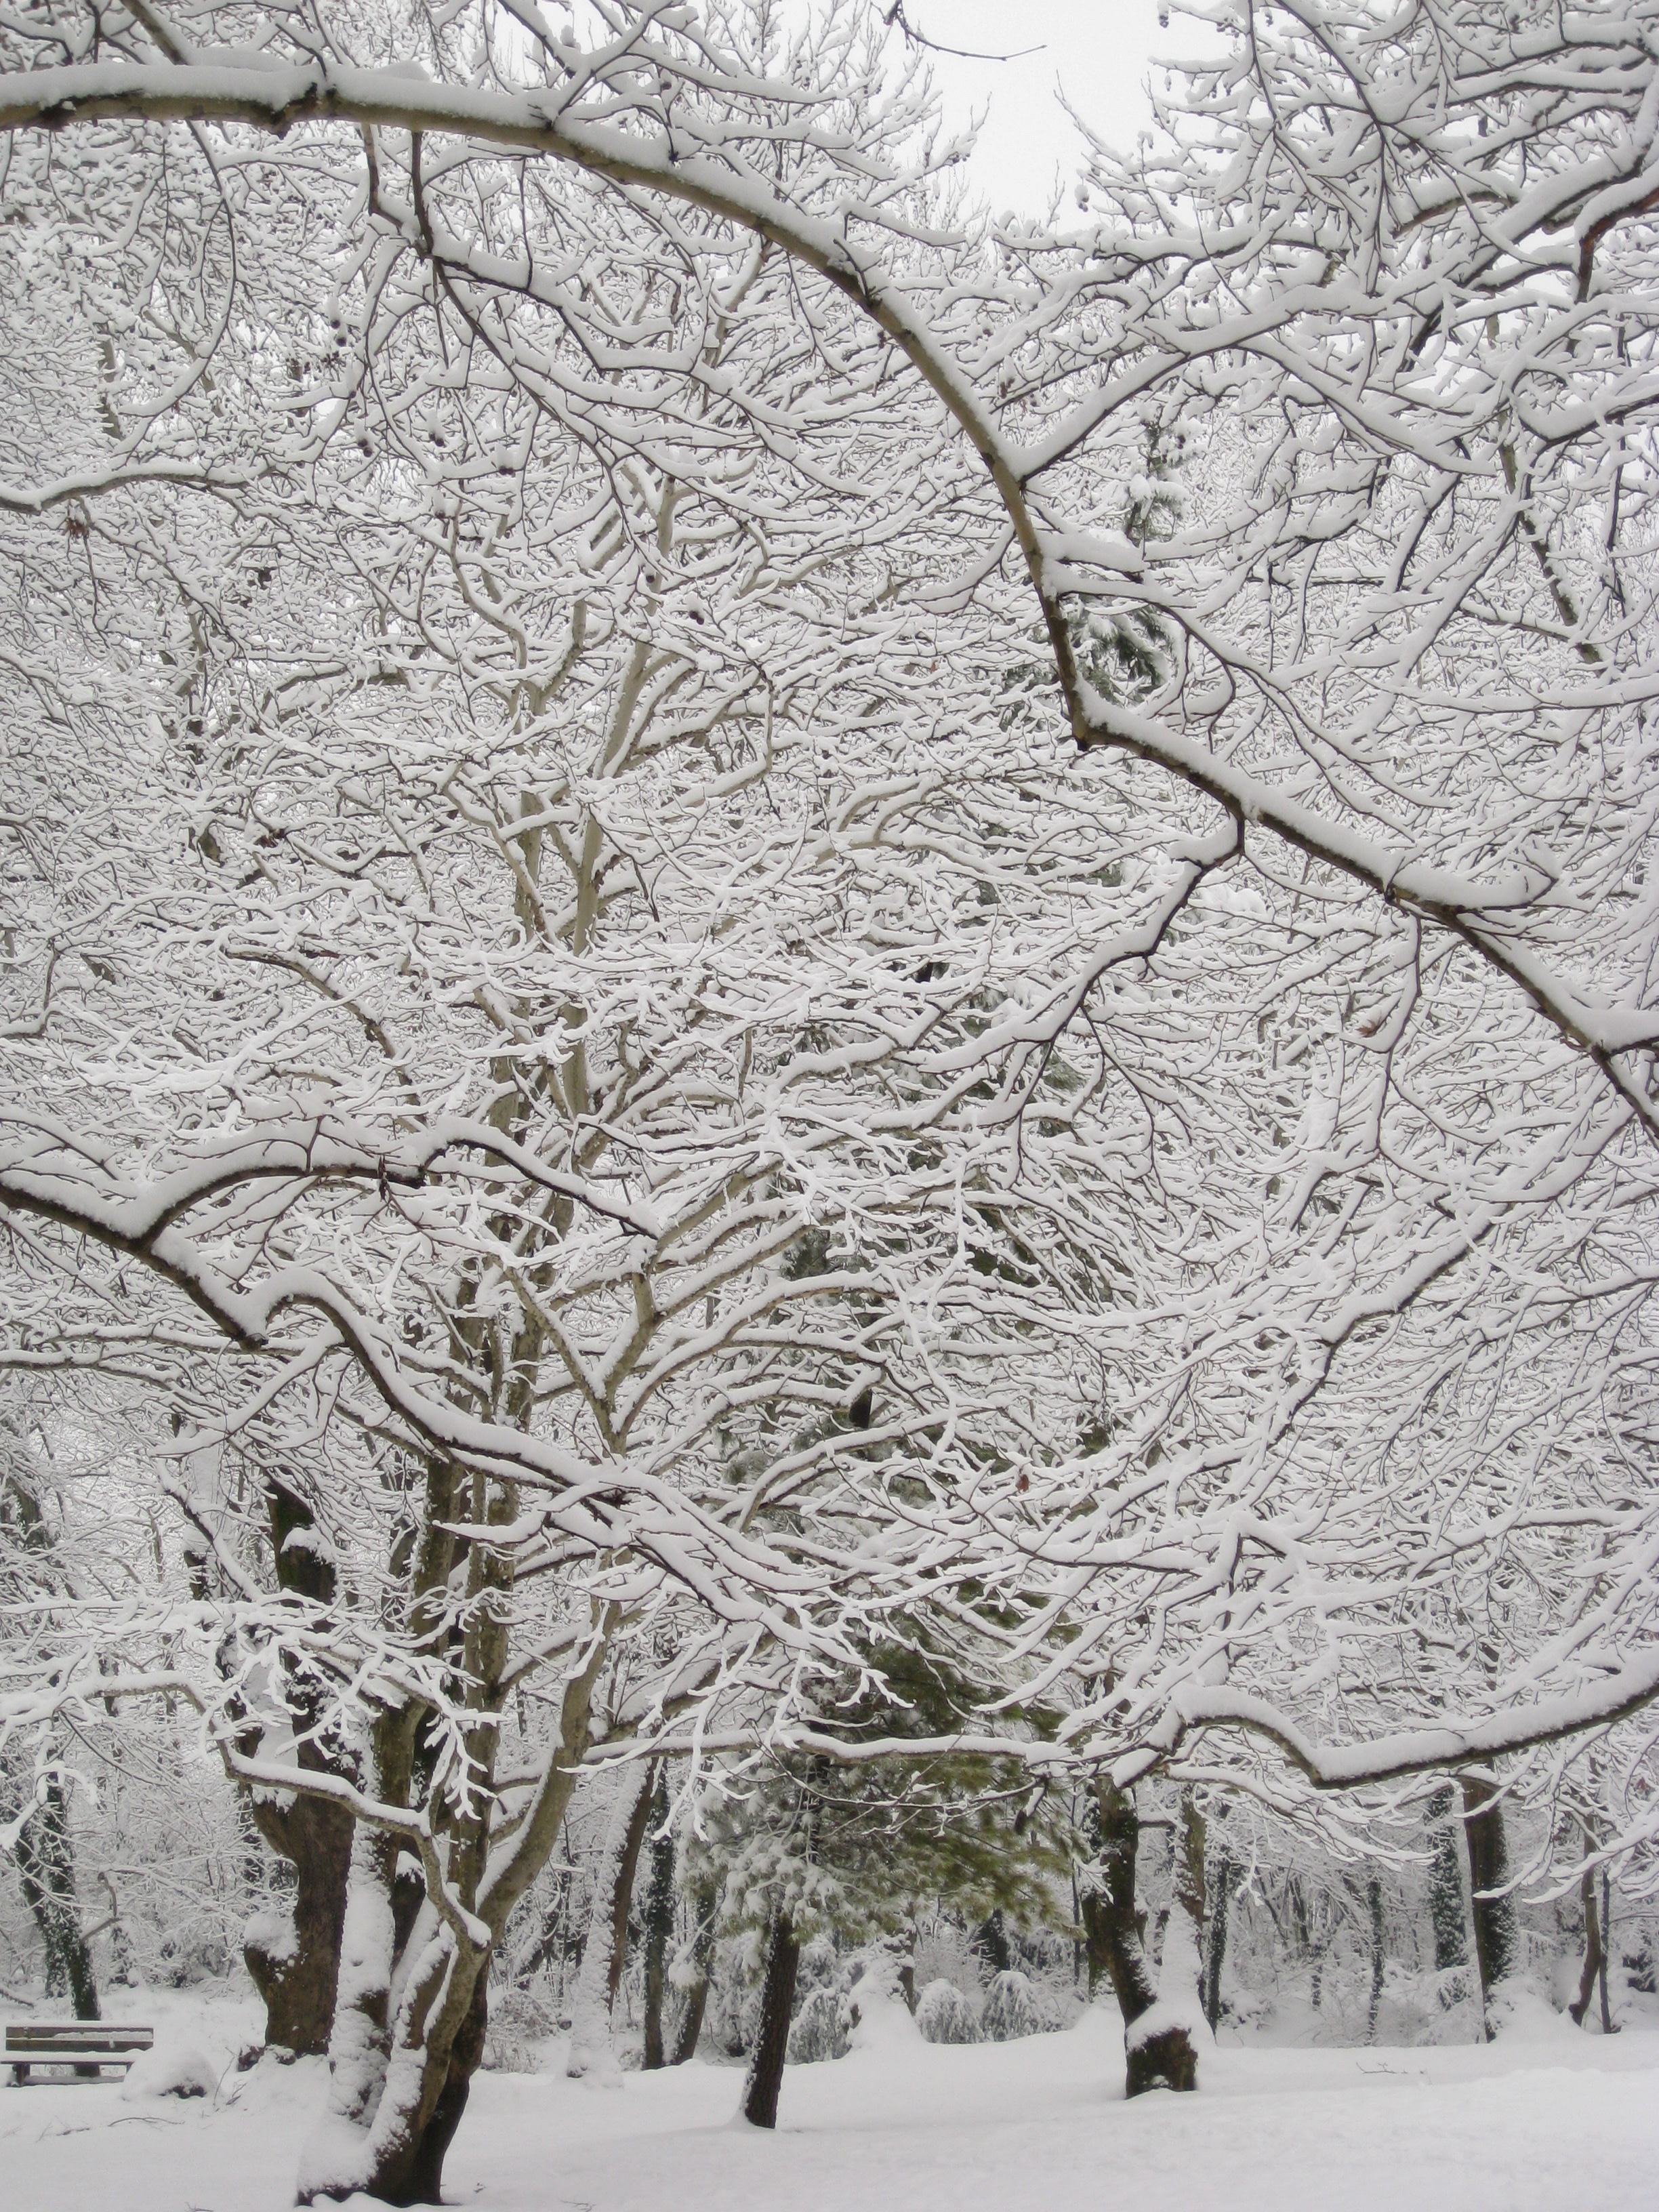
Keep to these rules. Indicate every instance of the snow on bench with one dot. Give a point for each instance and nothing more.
(86, 2045)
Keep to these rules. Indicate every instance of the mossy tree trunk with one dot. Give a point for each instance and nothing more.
(45, 1849)
(1446, 1909)
(621, 1895)
(658, 1924)
(1168, 2060)
(1215, 1942)
(1114, 1931)
(295, 1975)
(45, 1862)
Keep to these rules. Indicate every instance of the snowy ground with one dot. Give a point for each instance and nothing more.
(1565, 2121)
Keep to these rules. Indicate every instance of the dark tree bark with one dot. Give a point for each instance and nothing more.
(295, 1977)
(43, 1851)
(46, 1863)
(1451, 1939)
(1607, 2027)
(659, 1926)
(990, 1939)
(465, 2056)
(1164, 2061)
(1215, 1943)
(1374, 1902)
(295, 1974)
(705, 1907)
(1168, 2060)
(622, 1896)
(760, 2090)
(1190, 1868)
(1114, 1934)
(1595, 1952)
(1113, 1930)
(1496, 1932)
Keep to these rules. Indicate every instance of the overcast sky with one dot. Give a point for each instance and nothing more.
(1099, 50)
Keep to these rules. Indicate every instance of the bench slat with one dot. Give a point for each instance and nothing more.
(63, 2043)
(77, 2031)
(37, 2041)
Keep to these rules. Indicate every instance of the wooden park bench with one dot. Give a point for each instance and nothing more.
(86, 2045)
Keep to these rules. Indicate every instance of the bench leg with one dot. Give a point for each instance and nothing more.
(20, 2075)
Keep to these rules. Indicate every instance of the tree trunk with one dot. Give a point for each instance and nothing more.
(990, 1939)
(1496, 1933)
(1451, 1940)
(1374, 1901)
(1215, 1945)
(46, 1863)
(409, 2011)
(1162, 2046)
(293, 1960)
(1607, 2027)
(408, 2025)
(658, 1925)
(1112, 1928)
(410, 2004)
(1189, 1901)
(760, 2090)
(627, 1870)
(1594, 1956)
(607, 1934)
(465, 2055)
(707, 1907)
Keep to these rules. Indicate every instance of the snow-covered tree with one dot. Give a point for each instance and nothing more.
(559, 956)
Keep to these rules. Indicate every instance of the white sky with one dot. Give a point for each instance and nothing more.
(1099, 50)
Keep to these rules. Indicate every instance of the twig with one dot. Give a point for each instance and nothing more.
(894, 17)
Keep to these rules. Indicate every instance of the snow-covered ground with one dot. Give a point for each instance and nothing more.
(1562, 2121)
